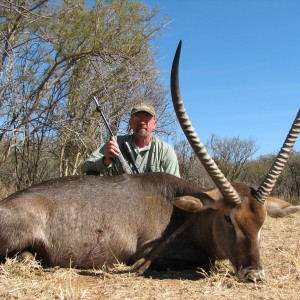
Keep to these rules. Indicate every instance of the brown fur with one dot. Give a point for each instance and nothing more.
(91, 221)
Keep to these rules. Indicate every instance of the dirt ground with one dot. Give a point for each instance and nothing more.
(280, 251)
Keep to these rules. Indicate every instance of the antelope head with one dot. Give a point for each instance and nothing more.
(237, 228)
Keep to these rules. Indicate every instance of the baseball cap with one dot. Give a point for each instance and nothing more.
(143, 107)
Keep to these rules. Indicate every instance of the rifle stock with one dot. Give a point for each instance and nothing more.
(130, 156)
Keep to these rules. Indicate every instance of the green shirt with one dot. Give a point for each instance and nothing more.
(162, 158)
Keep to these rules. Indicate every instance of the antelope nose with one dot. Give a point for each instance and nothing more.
(251, 274)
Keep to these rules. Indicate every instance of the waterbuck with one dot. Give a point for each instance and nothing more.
(91, 221)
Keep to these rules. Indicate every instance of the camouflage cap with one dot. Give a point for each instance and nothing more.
(143, 107)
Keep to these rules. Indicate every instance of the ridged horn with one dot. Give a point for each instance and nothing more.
(226, 189)
(268, 184)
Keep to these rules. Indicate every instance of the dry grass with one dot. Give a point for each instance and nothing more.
(280, 249)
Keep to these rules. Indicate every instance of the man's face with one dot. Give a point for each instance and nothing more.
(142, 124)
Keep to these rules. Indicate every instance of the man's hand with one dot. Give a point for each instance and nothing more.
(111, 151)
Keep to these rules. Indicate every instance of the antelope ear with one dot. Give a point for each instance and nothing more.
(188, 203)
(194, 204)
(277, 208)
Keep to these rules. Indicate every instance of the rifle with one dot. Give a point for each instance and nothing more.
(125, 166)
(126, 149)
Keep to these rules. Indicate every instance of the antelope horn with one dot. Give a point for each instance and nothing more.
(226, 189)
(268, 184)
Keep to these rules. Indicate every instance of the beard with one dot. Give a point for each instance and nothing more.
(142, 132)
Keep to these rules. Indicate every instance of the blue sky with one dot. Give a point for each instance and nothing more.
(239, 68)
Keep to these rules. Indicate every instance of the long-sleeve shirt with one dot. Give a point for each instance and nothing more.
(162, 158)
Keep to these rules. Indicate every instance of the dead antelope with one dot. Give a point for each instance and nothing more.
(91, 221)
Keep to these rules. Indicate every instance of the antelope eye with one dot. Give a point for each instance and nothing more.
(227, 219)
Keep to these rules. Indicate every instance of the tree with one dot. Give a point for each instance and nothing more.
(54, 57)
(186, 159)
(231, 154)
(288, 184)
